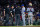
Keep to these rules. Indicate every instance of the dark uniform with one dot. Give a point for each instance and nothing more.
(17, 15)
(7, 11)
(12, 11)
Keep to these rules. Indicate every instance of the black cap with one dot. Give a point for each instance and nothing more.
(18, 5)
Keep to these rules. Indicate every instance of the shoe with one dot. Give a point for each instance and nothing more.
(24, 25)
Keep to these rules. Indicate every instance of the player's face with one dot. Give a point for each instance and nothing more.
(22, 6)
(12, 6)
(8, 6)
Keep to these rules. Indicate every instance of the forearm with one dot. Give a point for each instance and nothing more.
(29, 11)
(4, 12)
(11, 14)
(24, 12)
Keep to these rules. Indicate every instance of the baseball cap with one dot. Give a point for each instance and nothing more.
(18, 4)
(30, 4)
(22, 5)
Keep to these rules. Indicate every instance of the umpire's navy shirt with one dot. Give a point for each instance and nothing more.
(12, 11)
(17, 10)
(7, 11)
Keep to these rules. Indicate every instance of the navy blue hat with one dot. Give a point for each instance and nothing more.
(22, 5)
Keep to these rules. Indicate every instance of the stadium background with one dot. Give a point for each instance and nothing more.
(4, 3)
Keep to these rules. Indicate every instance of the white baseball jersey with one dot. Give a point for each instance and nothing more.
(30, 13)
(23, 9)
(23, 16)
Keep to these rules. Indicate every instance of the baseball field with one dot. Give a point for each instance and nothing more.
(21, 26)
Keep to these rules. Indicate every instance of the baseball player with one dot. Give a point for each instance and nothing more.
(23, 14)
(30, 11)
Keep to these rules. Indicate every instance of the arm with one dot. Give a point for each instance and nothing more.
(32, 10)
(11, 12)
(28, 10)
(14, 12)
(24, 10)
(4, 12)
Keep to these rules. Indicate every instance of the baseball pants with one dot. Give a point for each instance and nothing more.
(30, 19)
(23, 18)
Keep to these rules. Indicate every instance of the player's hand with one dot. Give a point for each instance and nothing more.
(4, 12)
(24, 12)
(12, 16)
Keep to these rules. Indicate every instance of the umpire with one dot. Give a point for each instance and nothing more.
(6, 13)
(17, 15)
(12, 11)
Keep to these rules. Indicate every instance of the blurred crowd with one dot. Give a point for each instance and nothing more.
(21, 14)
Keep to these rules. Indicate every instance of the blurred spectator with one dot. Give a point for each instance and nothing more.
(6, 13)
(0, 10)
(38, 15)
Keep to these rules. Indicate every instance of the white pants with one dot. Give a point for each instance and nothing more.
(30, 16)
(23, 18)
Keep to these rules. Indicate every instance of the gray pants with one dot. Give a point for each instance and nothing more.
(30, 19)
(17, 19)
(7, 19)
(12, 19)
(23, 18)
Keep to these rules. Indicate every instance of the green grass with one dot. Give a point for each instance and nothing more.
(22, 26)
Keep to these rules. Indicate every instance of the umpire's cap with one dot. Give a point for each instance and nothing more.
(18, 5)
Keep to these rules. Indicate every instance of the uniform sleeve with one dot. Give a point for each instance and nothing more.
(28, 9)
(32, 10)
(24, 9)
(14, 10)
(10, 11)
(20, 9)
